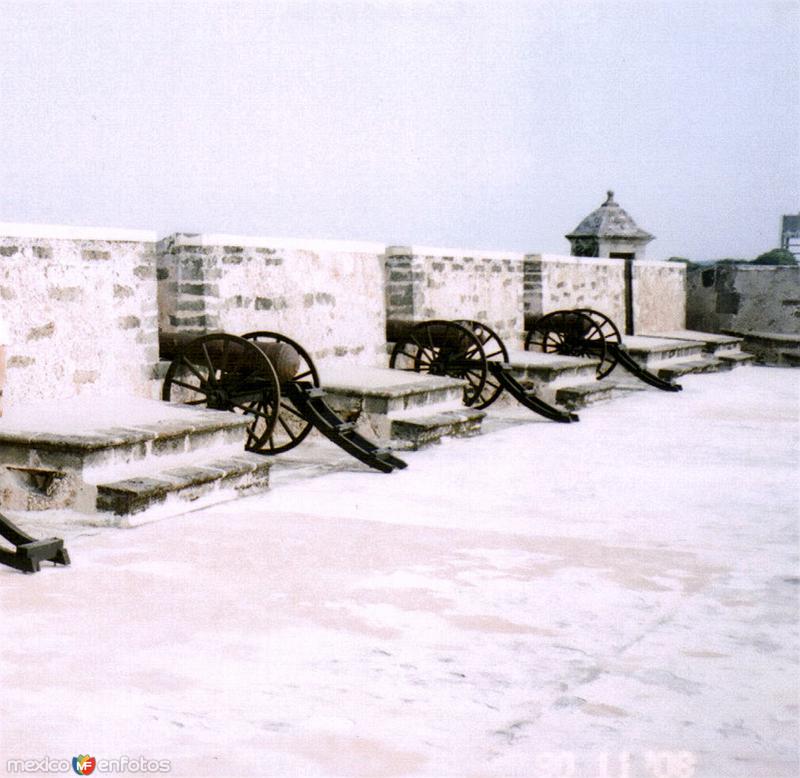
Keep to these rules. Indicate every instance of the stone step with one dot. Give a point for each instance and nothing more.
(174, 490)
(53, 456)
(713, 343)
(771, 348)
(414, 432)
(579, 396)
(539, 370)
(736, 358)
(384, 391)
(92, 439)
(788, 358)
(650, 351)
(679, 367)
(717, 353)
(407, 410)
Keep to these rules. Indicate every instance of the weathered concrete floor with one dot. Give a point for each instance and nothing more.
(622, 589)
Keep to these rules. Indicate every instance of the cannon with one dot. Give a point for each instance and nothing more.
(270, 379)
(468, 350)
(29, 552)
(584, 332)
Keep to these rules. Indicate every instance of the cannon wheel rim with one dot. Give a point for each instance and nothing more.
(493, 347)
(289, 423)
(548, 337)
(612, 337)
(420, 338)
(203, 390)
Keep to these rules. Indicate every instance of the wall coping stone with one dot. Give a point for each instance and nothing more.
(249, 241)
(659, 263)
(438, 251)
(568, 259)
(70, 232)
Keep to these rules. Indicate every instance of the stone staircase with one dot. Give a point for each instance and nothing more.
(125, 461)
(682, 352)
(771, 348)
(568, 382)
(407, 409)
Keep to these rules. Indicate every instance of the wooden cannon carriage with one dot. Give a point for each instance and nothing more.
(584, 332)
(468, 350)
(269, 378)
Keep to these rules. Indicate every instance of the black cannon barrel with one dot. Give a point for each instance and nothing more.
(440, 334)
(283, 357)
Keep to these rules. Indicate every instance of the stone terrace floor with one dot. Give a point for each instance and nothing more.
(612, 598)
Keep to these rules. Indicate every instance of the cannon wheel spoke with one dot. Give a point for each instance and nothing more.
(494, 350)
(573, 333)
(226, 373)
(291, 427)
(443, 348)
(609, 333)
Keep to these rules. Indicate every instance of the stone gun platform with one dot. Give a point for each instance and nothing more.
(681, 352)
(409, 409)
(568, 382)
(123, 458)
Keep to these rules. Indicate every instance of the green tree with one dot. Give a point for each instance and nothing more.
(775, 257)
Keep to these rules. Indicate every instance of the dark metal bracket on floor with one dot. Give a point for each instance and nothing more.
(502, 372)
(632, 366)
(29, 552)
(310, 402)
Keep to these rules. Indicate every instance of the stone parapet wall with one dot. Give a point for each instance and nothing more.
(659, 296)
(81, 311)
(744, 298)
(436, 283)
(326, 295)
(555, 282)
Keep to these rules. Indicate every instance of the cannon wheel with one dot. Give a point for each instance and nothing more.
(493, 348)
(291, 426)
(571, 333)
(226, 373)
(428, 349)
(611, 336)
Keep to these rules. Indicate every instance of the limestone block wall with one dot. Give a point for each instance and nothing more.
(744, 298)
(659, 296)
(81, 308)
(554, 282)
(435, 283)
(326, 295)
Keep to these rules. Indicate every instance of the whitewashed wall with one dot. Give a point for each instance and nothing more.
(659, 296)
(436, 283)
(326, 295)
(554, 282)
(81, 309)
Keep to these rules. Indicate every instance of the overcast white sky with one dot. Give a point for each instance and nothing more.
(475, 124)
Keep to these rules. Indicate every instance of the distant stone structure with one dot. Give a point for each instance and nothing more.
(759, 303)
(790, 234)
(610, 231)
